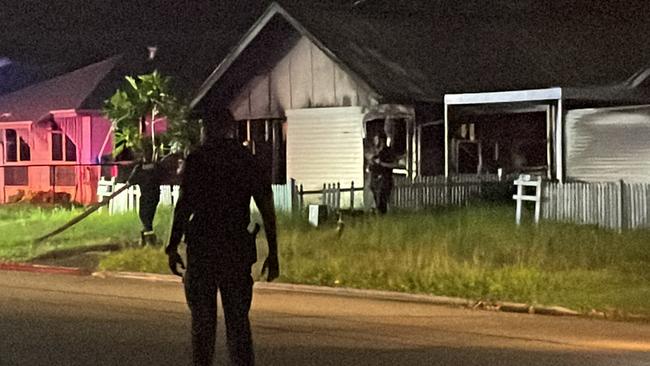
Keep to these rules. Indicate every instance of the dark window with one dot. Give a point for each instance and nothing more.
(395, 130)
(398, 136)
(62, 176)
(11, 145)
(61, 146)
(70, 150)
(17, 147)
(432, 153)
(57, 146)
(25, 154)
(373, 128)
(16, 176)
(468, 157)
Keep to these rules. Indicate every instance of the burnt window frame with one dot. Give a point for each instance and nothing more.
(252, 133)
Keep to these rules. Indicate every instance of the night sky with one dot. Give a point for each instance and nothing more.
(80, 32)
(73, 33)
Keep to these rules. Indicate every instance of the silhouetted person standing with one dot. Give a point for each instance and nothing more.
(381, 162)
(213, 213)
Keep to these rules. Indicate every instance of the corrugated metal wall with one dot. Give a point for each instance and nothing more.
(325, 145)
(608, 144)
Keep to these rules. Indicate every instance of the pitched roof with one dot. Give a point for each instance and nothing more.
(444, 47)
(74, 90)
(88, 87)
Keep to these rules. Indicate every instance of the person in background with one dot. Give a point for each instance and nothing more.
(381, 162)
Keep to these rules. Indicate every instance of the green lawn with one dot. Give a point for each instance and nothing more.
(474, 252)
(21, 224)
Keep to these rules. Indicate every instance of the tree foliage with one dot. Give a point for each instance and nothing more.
(146, 98)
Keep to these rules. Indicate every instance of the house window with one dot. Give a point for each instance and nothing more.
(62, 175)
(16, 175)
(63, 147)
(17, 149)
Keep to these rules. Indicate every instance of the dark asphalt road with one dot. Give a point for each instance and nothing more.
(70, 320)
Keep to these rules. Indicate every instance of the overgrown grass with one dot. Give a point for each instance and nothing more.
(474, 252)
(148, 259)
(477, 253)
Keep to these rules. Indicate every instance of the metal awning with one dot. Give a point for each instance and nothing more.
(530, 95)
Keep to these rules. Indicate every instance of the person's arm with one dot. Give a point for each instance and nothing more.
(388, 159)
(264, 201)
(182, 213)
(389, 164)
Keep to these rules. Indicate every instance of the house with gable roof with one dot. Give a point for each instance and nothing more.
(308, 87)
(50, 133)
(53, 135)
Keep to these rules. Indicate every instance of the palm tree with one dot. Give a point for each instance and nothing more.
(134, 112)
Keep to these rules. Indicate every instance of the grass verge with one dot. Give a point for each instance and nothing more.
(474, 252)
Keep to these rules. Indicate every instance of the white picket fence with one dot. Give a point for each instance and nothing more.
(284, 196)
(435, 191)
(615, 205)
(129, 200)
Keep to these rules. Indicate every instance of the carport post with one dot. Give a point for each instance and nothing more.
(446, 117)
(549, 142)
(559, 141)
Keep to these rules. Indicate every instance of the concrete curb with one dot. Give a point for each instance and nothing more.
(40, 268)
(138, 276)
(360, 293)
(369, 294)
(338, 291)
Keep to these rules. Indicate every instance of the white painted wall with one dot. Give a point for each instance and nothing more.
(325, 145)
(305, 77)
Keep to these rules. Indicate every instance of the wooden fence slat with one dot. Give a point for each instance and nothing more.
(611, 205)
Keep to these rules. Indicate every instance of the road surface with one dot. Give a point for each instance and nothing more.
(67, 320)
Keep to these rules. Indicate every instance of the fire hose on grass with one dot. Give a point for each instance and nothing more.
(90, 209)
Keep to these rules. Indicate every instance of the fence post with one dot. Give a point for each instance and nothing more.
(351, 196)
(447, 191)
(520, 193)
(338, 196)
(538, 200)
(621, 202)
(53, 181)
(301, 198)
(292, 191)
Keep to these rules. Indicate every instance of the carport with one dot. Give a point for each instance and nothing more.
(479, 129)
